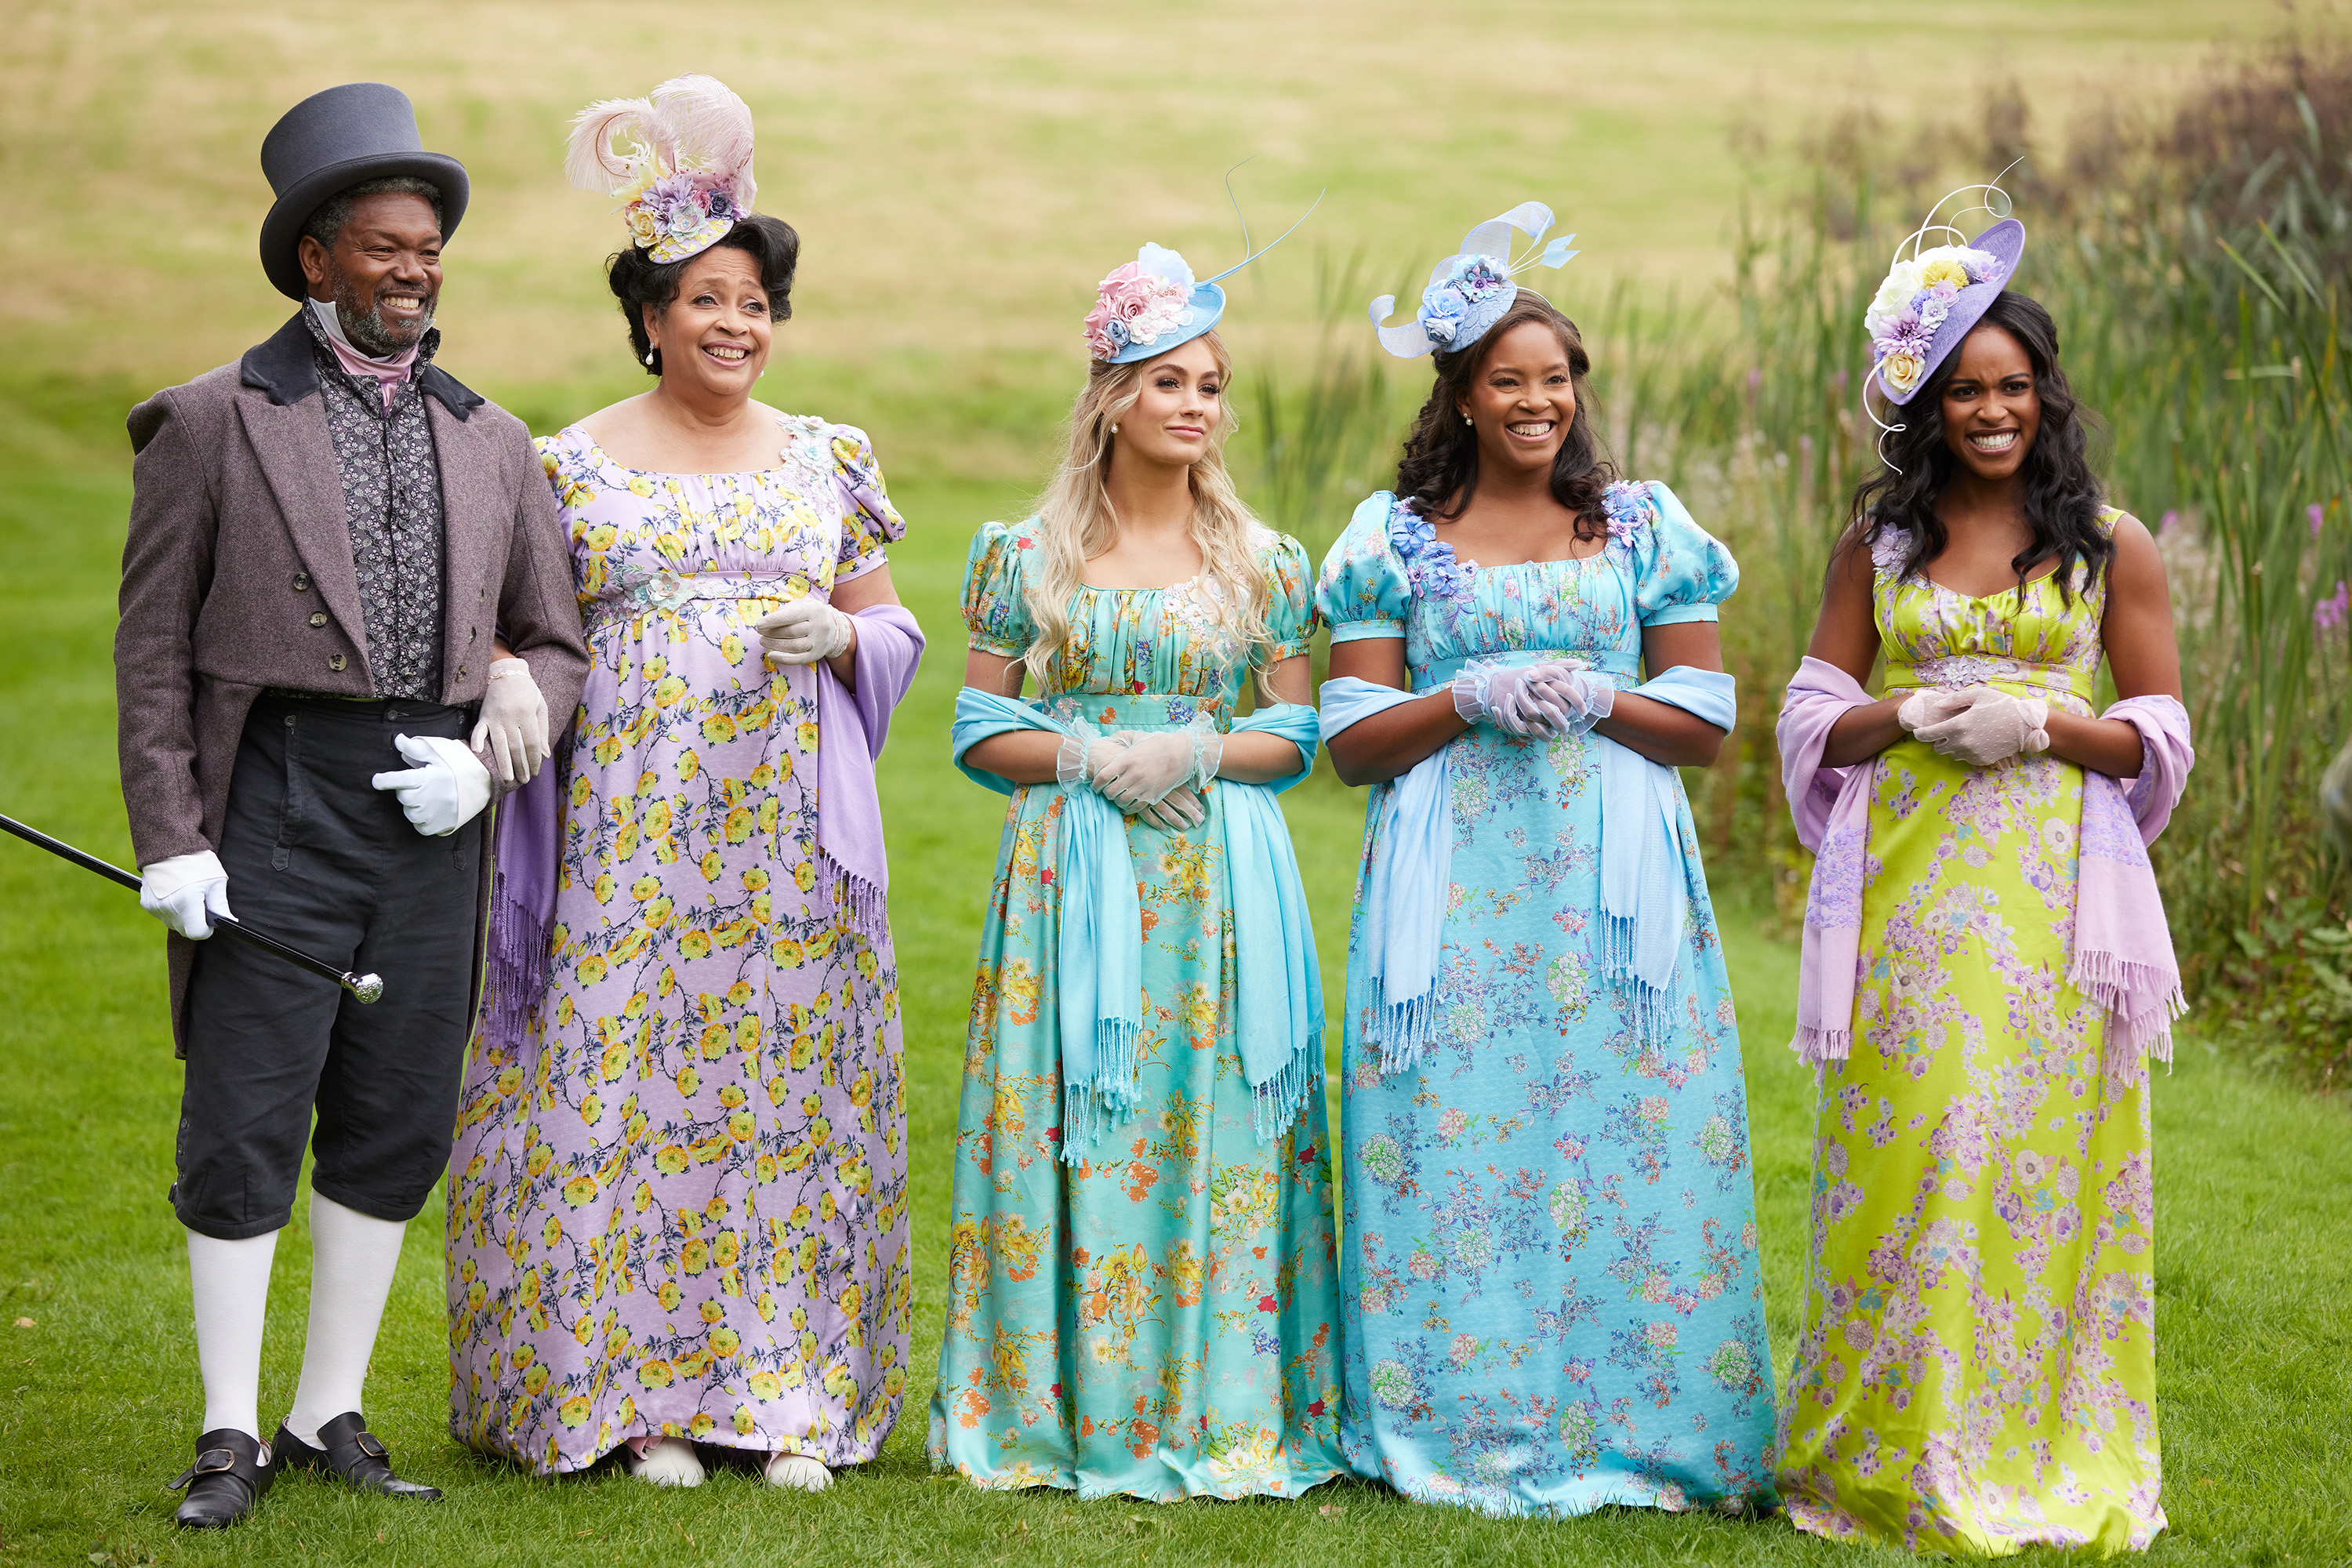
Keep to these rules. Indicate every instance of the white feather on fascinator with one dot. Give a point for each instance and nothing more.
(680, 157)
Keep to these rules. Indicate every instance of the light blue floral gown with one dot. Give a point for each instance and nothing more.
(1551, 1294)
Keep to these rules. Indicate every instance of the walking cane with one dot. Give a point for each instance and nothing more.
(366, 987)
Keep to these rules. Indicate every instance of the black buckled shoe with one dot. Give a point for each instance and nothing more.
(348, 1450)
(227, 1482)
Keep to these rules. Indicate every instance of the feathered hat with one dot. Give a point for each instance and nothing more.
(1469, 292)
(1152, 305)
(679, 159)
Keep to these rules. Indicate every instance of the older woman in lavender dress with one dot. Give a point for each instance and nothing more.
(677, 1202)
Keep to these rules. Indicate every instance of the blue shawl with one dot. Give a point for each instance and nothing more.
(1643, 886)
(1098, 983)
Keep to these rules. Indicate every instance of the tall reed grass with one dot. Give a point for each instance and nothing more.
(2195, 261)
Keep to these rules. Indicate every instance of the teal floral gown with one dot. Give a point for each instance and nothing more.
(1553, 1301)
(1162, 1320)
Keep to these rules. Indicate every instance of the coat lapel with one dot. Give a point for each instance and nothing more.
(297, 454)
(477, 521)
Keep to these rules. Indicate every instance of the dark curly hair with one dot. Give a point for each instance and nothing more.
(638, 281)
(1440, 467)
(2062, 497)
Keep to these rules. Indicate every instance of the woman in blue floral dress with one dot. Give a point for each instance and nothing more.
(1550, 1280)
(1143, 1286)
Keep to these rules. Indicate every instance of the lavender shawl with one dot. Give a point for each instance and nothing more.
(851, 729)
(2123, 949)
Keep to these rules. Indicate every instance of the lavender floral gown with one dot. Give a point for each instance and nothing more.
(680, 1209)
(1550, 1280)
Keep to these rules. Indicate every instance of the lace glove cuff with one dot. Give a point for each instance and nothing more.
(1082, 754)
(1207, 753)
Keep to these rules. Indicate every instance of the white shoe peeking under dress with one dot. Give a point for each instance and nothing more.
(799, 1473)
(669, 1462)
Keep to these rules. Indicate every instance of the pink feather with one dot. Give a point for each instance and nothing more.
(711, 128)
(593, 162)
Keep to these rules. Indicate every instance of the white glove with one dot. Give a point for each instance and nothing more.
(1083, 759)
(513, 721)
(1991, 727)
(1517, 700)
(446, 788)
(806, 631)
(1585, 695)
(1928, 706)
(1154, 762)
(184, 892)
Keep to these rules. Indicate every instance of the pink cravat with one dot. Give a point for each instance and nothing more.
(388, 374)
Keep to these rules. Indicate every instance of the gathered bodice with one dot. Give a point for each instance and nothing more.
(1391, 577)
(1136, 657)
(645, 540)
(2040, 642)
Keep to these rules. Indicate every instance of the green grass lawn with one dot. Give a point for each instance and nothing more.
(98, 1398)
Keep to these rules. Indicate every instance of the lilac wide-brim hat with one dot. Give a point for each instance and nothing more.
(1933, 298)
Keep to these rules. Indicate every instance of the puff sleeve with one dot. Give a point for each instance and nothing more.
(1680, 571)
(1363, 592)
(1289, 607)
(994, 612)
(868, 520)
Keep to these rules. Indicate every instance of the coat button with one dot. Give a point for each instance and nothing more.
(317, 617)
(461, 672)
(301, 581)
(335, 662)
(473, 631)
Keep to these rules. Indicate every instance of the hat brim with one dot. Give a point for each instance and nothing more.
(281, 231)
(1208, 309)
(2005, 242)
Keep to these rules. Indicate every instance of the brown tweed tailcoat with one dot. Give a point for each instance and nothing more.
(239, 576)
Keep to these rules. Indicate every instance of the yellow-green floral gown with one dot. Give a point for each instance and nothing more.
(1161, 1321)
(1977, 1371)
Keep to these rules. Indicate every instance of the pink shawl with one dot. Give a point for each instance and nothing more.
(2123, 949)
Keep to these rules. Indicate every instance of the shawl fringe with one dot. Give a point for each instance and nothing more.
(517, 977)
(1274, 1104)
(864, 903)
(1091, 1108)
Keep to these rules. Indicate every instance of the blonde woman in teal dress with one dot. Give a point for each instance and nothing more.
(1142, 1292)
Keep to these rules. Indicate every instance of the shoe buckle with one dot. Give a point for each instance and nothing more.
(366, 1442)
(211, 1462)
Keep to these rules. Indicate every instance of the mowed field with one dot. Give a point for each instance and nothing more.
(963, 179)
(963, 174)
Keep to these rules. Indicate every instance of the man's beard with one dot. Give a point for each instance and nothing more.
(368, 331)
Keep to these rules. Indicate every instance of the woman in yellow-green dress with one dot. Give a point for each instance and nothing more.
(1987, 969)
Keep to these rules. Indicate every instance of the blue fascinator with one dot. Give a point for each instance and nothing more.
(1152, 305)
(1468, 292)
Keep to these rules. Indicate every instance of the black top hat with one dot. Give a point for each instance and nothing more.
(334, 140)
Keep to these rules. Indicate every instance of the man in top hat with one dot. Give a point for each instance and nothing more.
(347, 610)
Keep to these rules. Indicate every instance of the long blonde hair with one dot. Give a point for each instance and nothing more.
(1079, 522)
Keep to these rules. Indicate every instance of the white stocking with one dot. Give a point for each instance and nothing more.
(352, 1257)
(230, 1282)
(798, 1472)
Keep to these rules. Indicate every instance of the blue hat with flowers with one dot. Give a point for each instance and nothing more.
(1934, 295)
(1469, 292)
(1152, 304)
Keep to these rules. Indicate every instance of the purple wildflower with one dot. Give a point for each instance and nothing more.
(2333, 611)
(2318, 515)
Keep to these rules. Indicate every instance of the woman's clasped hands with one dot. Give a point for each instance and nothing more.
(1979, 725)
(1155, 775)
(1558, 697)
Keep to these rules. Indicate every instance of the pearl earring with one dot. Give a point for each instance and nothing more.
(649, 356)
(1114, 429)
(1465, 418)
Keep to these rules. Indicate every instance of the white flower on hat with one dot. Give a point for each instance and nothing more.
(1902, 371)
(1903, 281)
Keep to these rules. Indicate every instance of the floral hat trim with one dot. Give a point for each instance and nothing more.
(679, 159)
(1933, 295)
(1469, 292)
(1152, 304)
